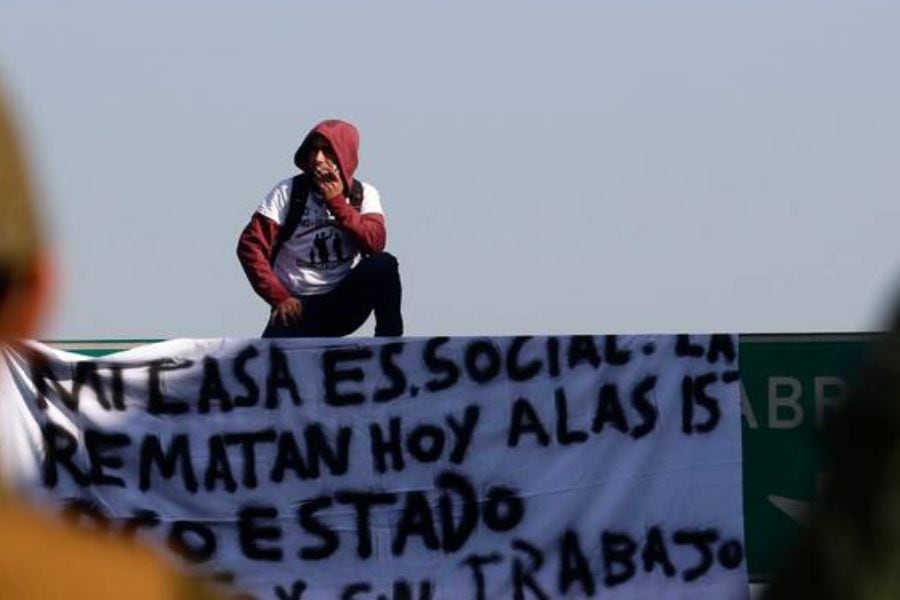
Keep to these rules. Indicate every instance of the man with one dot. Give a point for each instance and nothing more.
(314, 249)
(40, 557)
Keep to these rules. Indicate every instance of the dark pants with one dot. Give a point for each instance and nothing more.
(373, 284)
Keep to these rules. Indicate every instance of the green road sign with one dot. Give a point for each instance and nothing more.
(97, 347)
(790, 384)
(790, 387)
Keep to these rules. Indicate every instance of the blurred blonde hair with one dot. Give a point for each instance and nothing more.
(19, 238)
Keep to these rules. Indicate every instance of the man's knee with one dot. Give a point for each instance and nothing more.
(384, 264)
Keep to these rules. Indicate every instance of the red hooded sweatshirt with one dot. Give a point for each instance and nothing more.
(258, 238)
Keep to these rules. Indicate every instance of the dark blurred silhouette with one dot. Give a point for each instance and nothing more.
(852, 546)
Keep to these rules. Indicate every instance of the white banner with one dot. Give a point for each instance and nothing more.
(527, 467)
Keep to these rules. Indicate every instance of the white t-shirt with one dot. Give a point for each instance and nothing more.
(320, 253)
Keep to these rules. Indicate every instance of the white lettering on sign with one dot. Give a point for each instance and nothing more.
(785, 393)
(829, 392)
(747, 409)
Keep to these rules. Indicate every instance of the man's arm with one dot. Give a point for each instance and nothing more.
(254, 250)
(367, 229)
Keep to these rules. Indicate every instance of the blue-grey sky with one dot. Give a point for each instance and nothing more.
(544, 166)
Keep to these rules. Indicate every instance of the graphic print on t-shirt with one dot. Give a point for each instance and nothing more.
(319, 253)
(327, 247)
(318, 243)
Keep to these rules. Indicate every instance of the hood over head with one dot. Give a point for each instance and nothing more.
(344, 139)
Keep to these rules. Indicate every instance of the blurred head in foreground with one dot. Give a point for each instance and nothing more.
(23, 267)
(40, 557)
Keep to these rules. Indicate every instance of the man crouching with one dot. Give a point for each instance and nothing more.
(314, 248)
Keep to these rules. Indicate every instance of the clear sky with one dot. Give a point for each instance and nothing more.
(545, 167)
